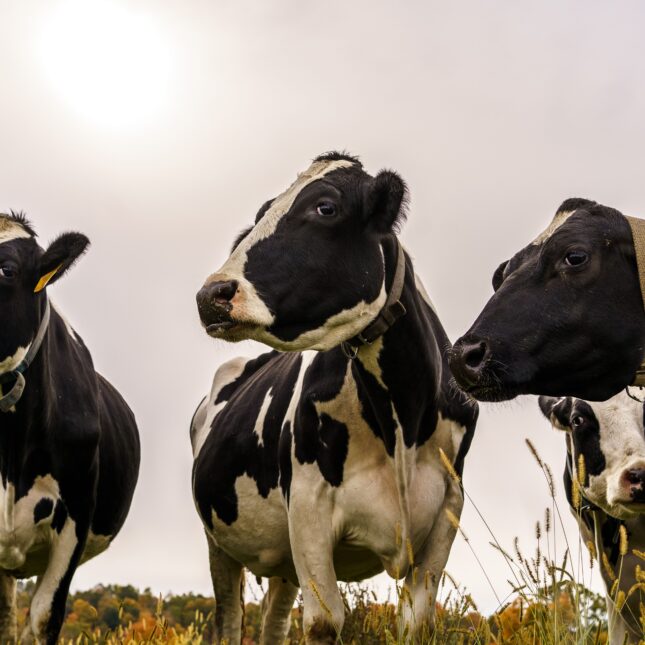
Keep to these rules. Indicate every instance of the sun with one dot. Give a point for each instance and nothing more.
(110, 64)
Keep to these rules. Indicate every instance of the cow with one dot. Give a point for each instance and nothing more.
(69, 445)
(606, 455)
(567, 316)
(320, 460)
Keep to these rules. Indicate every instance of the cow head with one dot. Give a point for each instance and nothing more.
(309, 274)
(25, 271)
(567, 314)
(610, 436)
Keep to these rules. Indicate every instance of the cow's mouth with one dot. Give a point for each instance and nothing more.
(217, 327)
(491, 392)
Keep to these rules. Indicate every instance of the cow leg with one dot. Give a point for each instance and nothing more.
(8, 618)
(417, 610)
(276, 611)
(228, 586)
(310, 534)
(47, 609)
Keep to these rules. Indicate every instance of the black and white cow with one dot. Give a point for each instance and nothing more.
(610, 436)
(567, 316)
(69, 446)
(317, 466)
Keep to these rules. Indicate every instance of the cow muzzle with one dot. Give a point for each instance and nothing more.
(633, 484)
(471, 364)
(214, 303)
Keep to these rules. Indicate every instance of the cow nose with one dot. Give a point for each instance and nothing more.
(221, 291)
(634, 480)
(467, 360)
(214, 300)
(217, 293)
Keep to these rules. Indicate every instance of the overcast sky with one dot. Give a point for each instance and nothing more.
(159, 128)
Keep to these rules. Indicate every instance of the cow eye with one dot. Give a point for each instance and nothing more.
(575, 258)
(326, 209)
(577, 421)
(7, 272)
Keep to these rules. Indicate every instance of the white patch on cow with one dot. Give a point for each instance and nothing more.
(207, 410)
(11, 362)
(96, 543)
(248, 306)
(18, 533)
(62, 549)
(559, 219)
(10, 230)
(258, 428)
(70, 330)
(259, 537)
(622, 442)
(336, 329)
(369, 356)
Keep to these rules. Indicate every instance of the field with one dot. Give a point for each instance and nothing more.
(546, 602)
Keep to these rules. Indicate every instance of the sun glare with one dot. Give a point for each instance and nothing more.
(109, 63)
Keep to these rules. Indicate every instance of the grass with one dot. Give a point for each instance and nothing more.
(546, 602)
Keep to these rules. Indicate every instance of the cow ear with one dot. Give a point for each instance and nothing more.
(557, 410)
(59, 257)
(386, 201)
(498, 276)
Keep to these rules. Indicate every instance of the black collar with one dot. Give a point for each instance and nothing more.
(15, 393)
(391, 311)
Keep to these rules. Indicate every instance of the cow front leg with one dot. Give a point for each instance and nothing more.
(276, 611)
(8, 619)
(228, 587)
(312, 545)
(417, 610)
(47, 609)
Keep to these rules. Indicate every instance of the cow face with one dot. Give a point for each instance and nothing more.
(610, 436)
(310, 273)
(25, 271)
(566, 317)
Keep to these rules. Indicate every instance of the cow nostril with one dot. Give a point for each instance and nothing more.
(223, 291)
(474, 354)
(635, 476)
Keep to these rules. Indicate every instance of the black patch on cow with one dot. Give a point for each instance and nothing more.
(285, 460)
(335, 155)
(574, 203)
(233, 441)
(43, 509)
(250, 369)
(240, 237)
(332, 449)
(610, 532)
(376, 406)
(60, 516)
(586, 440)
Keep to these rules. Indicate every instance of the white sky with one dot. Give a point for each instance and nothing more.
(158, 128)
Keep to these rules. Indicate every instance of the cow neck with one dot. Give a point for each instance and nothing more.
(391, 311)
(16, 376)
(637, 227)
(407, 356)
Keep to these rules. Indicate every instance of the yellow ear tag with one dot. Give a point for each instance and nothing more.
(42, 283)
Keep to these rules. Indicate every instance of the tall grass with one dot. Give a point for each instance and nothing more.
(546, 601)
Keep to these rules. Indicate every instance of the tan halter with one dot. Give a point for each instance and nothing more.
(638, 233)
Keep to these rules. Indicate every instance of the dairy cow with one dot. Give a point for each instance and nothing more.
(567, 315)
(69, 446)
(317, 466)
(606, 454)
